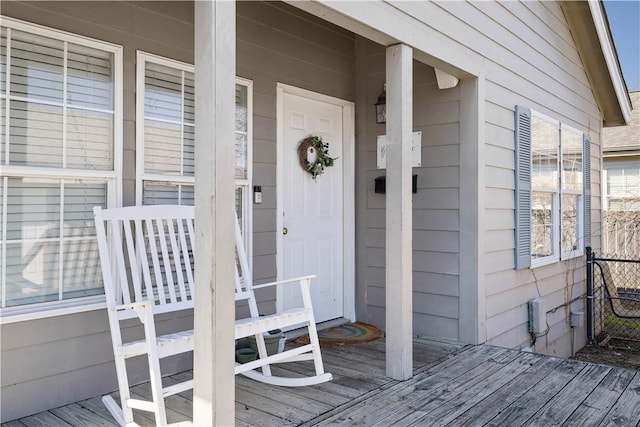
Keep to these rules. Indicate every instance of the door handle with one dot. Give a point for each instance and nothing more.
(284, 230)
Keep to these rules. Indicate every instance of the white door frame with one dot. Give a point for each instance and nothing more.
(348, 191)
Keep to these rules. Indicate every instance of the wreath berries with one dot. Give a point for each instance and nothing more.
(314, 155)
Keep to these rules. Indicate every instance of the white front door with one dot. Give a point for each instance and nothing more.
(312, 211)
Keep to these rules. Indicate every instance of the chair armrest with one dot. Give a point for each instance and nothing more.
(135, 305)
(284, 282)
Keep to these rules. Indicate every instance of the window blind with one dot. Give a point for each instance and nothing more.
(61, 114)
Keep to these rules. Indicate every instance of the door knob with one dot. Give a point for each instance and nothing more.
(285, 230)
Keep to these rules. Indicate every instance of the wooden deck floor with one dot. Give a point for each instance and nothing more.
(473, 385)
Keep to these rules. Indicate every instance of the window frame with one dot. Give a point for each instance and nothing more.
(142, 176)
(556, 197)
(524, 190)
(112, 178)
(617, 162)
(579, 193)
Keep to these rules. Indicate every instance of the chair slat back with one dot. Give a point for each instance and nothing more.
(244, 283)
(151, 255)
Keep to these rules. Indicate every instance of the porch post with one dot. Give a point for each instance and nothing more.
(214, 316)
(399, 305)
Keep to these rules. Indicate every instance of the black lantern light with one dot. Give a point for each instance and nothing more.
(381, 106)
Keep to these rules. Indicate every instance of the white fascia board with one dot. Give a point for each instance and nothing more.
(610, 56)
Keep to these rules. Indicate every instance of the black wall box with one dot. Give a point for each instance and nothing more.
(380, 184)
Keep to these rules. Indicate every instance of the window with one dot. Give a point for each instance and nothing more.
(165, 137)
(60, 135)
(552, 190)
(622, 185)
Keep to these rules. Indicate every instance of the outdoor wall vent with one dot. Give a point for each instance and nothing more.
(537, 316)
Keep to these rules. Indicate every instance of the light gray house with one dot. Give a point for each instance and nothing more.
(621, 186)
(98, 107)
(621, 162)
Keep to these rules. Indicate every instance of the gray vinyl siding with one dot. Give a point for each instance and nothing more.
(53, 361)
(551, 79)
(529, 59)
(280, 44)
(435, 205)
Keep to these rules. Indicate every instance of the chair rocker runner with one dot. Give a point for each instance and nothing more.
(146, 255)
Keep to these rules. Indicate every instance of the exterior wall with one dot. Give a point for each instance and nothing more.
(53, 361)
(530, 60)
(621, 147)
(522, 53)
(435, 205)
(526, 56)
(280, 44)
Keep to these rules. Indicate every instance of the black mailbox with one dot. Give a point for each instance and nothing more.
(380, 184)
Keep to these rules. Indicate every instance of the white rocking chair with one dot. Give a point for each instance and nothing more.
(146, 254)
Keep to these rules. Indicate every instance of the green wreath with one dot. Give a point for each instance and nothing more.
(314, 144)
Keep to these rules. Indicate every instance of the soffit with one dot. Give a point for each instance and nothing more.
(590, 29)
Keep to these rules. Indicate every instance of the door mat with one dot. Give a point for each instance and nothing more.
(347, 334)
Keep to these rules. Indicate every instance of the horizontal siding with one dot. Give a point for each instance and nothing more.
(436, 225)
(531, 60)
(275, 43)
(526, 55)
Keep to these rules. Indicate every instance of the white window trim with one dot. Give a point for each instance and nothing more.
(51, 309)
(614, 162)
(580, 193)
(141, 59)
(247, 213)
(579, 225)
(524, 139)
(112, 178)
(555, 230)
(556, 197)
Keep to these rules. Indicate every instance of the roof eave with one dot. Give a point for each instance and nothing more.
(590, 28)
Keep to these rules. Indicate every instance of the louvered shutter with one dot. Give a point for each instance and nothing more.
(523, 188)
(587, 189)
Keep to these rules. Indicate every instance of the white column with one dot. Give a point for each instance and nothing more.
(399, 304)
(472, 324)
(215, 58)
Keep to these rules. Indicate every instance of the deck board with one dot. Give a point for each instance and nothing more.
(481, 412)
(626, 411)
(78, 415)
(595, 407)
(463, 397)
(452, 385)
(522, 409)
(563, 404)
(43, 419)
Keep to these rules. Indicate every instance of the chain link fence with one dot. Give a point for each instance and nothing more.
(614, 299)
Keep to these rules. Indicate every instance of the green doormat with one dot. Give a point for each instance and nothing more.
(347, 334)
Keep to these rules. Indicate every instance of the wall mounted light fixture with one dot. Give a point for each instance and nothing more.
(381, 106)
